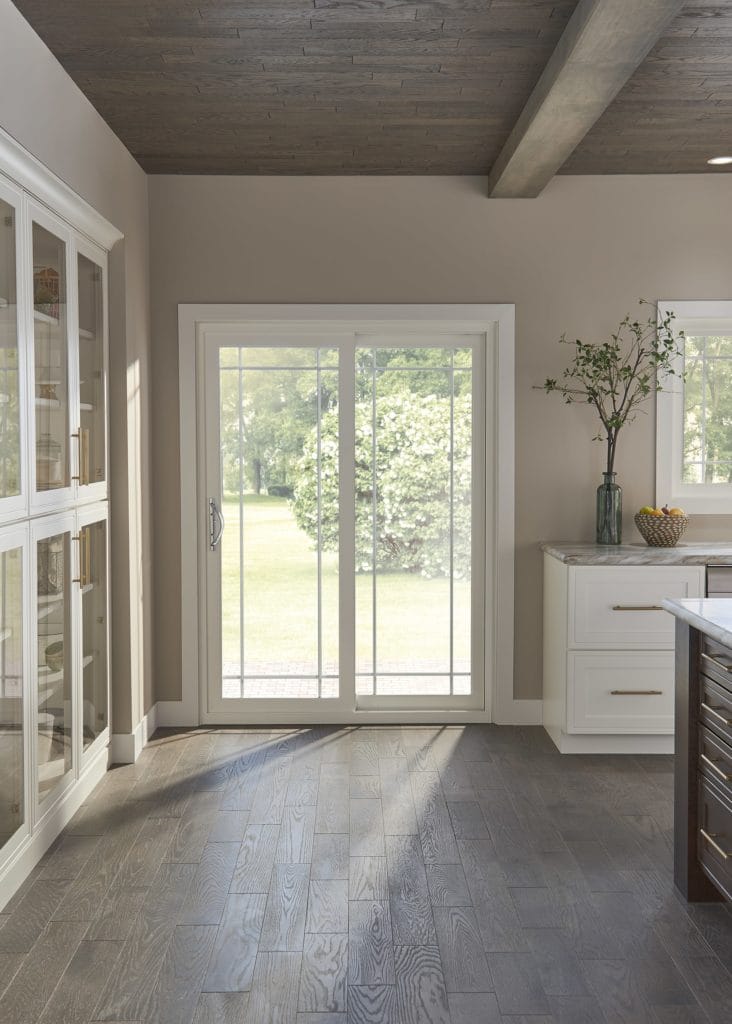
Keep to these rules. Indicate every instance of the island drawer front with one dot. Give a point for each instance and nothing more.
(715, 708)
(715, 760)
(619, 607)
(714, 842)
(620, 693)
(716, 662)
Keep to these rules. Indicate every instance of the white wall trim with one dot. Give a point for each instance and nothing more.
(126, 747)
(17, 163)
(500, 704)
(29, 852)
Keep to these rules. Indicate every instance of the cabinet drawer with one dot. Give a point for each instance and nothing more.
(716, 662)
(715, 708)
(620, 693)
(715, 760)
(620, 606)
(714, 842)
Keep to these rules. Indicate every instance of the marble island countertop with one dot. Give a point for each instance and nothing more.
(710, 615)
(709, 553)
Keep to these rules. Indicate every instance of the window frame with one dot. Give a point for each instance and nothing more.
(700, 499)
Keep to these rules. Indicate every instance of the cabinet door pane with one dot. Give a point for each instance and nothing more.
(51, 360)
(11, 693)
(92, 467)
(54, 661)
(93, 541)
(9, 378)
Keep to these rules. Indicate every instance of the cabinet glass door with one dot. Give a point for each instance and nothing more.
(54, 739)
(12, 803)
(51, 361)
(94, 629)
(10, 386)
(92, 389)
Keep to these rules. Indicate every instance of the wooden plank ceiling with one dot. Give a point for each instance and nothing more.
(373, 86)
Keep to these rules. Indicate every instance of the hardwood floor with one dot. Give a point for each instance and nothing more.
(447, 875)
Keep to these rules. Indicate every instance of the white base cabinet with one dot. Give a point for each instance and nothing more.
(609, 655)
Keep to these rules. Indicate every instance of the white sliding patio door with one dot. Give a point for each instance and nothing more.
(344, 523)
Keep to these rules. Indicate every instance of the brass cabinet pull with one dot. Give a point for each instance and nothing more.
(715, 712)
(710, 761)
(717, 664)
(637, 608)
(82, 439)
(83, 538)
(636, 693)
(710, 839)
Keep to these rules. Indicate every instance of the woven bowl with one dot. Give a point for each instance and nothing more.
(661, 531)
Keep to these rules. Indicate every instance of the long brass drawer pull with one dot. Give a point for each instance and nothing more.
(637, 608)
(710, 761)
(710, 839)
(715, 712)
(636, 693)
(717, 664)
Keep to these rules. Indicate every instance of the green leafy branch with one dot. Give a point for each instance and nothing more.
(618, 375)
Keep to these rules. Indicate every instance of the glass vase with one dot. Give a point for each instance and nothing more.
(609, 511)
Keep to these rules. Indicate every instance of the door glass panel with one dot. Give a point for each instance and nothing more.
(54, 661)
(11, 693)
(413, 521)
(51, 360)
(279, 550)
(91, 373)
(93, 581)
(10, 483)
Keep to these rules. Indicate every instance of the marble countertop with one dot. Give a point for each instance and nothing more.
(640, 554)
(710, 615)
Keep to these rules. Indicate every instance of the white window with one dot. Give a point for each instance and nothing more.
(694, 412)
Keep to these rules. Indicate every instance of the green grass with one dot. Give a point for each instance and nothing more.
(280, 600)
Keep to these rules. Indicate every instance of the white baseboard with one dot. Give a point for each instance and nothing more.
(519, 712)
(573, 743)
(125, 747)
(172, 713)
(30, 851)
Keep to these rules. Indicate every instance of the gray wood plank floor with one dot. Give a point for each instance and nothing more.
(446, 875)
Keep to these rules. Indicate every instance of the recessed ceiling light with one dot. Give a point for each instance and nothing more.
(720, 160)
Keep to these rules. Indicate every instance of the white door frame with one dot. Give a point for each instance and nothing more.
(496, 321)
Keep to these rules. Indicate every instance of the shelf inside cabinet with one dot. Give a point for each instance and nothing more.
(87, 588)
(3, 303)
(5, 634)
(45, 318)
(87, 335)
(86, 407)
(46, 604)
(48, 403)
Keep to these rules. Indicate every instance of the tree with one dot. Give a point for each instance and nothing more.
(265, 417)
(409, 459)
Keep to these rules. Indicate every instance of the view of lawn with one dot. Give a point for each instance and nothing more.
(281, 604)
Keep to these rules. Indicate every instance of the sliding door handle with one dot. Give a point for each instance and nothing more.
(216, 524)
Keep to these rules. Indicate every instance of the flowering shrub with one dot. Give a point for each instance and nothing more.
(408, 518)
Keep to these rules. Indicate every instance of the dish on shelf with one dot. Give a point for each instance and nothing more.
(55, 655)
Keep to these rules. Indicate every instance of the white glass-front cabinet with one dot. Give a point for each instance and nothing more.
(13, 435)
(15, 798)
(54, 531)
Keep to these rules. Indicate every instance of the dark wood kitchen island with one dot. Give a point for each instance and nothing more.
(703, 749)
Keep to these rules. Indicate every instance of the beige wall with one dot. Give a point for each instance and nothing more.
(576, 260)
(42, 108)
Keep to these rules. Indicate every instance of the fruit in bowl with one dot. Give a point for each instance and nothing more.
(661, 527)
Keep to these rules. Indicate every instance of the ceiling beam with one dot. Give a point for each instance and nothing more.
(602, 45)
